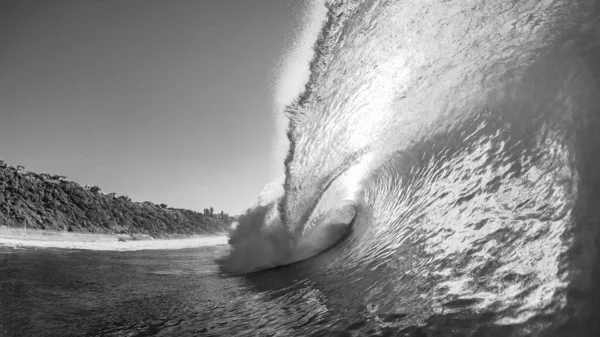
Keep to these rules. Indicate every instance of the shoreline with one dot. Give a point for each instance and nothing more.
(24, 238)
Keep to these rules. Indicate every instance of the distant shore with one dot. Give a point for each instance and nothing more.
(18, 237)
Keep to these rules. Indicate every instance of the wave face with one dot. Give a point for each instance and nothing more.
(467, 136)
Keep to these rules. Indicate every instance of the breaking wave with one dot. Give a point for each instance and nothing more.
(443, 155)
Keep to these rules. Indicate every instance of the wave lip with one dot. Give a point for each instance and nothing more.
(328, 231)
(260, 240)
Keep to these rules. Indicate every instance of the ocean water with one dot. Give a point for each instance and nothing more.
(466, 137)
(467, 134)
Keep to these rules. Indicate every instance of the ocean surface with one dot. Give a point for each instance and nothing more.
(466, 137)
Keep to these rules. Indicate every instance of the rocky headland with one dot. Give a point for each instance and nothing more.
(49, 202)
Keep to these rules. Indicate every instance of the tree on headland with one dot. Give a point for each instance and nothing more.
(124, 198)
(211, 212)
(31, 200)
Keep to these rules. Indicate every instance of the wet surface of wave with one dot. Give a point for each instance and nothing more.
(467, 135)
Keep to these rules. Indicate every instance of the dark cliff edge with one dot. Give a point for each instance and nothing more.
(41, 201)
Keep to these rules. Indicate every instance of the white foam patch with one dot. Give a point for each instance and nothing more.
(259, 241)
(115, 245)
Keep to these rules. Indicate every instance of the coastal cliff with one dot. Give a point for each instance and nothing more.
(41, 201)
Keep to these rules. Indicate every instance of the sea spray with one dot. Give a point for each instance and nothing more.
(292, 73)
(258, 241)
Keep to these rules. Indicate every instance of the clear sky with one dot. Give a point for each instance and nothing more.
(168, 101)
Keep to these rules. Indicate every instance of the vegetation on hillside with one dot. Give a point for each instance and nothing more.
(42, 201)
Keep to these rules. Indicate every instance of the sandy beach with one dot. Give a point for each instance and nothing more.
(17, 237)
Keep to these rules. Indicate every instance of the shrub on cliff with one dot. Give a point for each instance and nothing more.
(32, 201)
